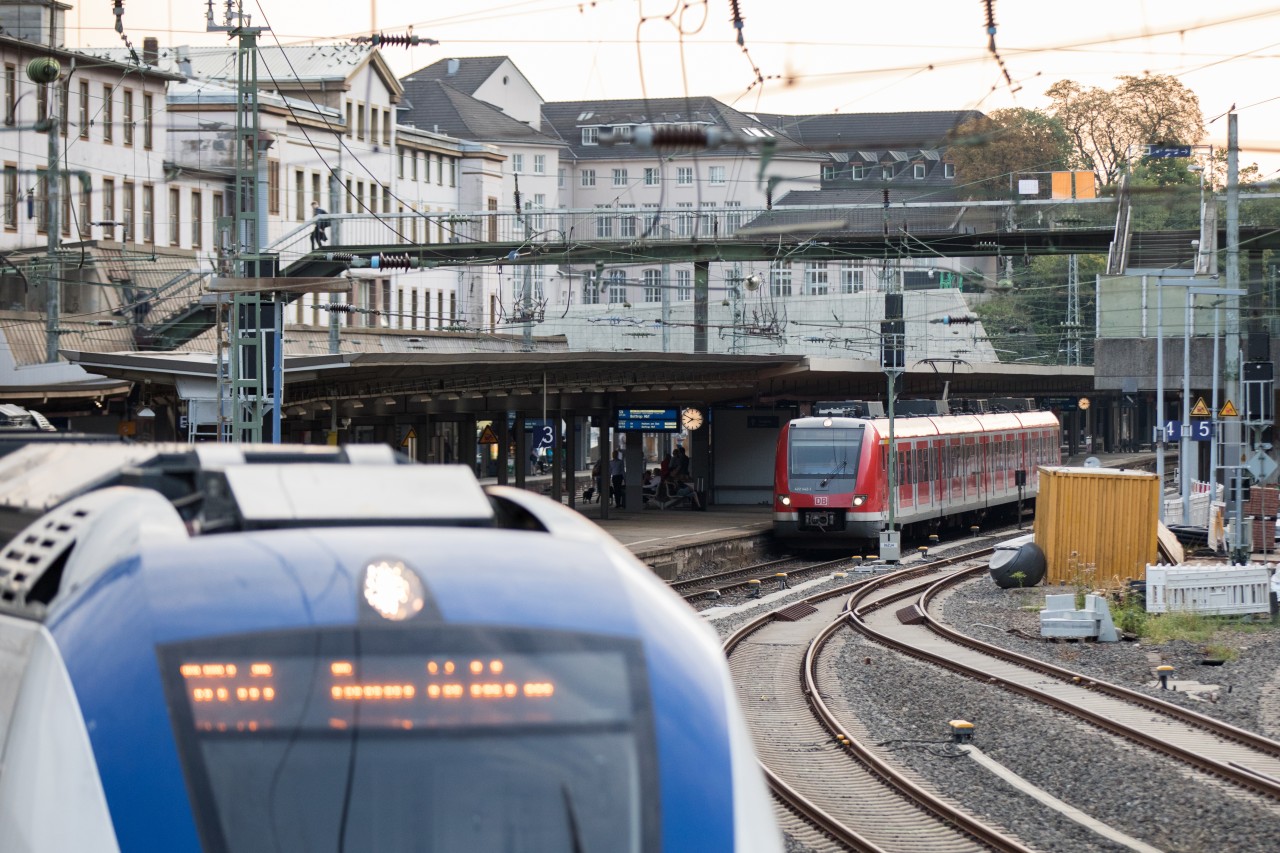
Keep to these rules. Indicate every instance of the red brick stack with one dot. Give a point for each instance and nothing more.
(1263, 505)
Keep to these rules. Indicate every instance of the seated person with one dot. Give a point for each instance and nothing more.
(651, 486)
(683, 488)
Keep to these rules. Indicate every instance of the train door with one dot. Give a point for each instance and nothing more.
(955, 469)
(924, 491)
(970, 468)
(906, 476)
(941, 477)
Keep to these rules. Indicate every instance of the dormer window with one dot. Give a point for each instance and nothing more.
(828, 172)
(858, 171)
(886, 173)
(590, 136)
(622, 133)
(917, 171)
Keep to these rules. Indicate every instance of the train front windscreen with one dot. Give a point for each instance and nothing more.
(437, 739)
(823, 459)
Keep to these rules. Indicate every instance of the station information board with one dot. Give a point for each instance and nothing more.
(648, 420)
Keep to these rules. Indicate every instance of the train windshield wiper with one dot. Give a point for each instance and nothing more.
(831, 476)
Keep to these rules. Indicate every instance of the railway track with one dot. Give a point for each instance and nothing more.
(1207, 744)
(833, 786)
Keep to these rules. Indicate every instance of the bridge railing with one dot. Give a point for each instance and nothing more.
(629, 225)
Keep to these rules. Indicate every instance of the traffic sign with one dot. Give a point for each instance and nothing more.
(1168, 151)
(1228, 410)
(1262, 466)
(410, 443)
(1200, 410)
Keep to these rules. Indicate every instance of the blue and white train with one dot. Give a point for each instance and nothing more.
(236, 649)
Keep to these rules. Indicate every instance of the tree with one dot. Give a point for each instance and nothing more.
(989, 151)
(1026, 322)
(1108, 128)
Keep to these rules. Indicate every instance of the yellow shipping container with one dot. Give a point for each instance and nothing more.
(1107, 517)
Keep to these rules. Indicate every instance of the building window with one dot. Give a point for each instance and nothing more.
(84, 109)
(148, 213)
(315, 190)
(64, 201)
(651, 176)
(886, 173)
(588, 177)
(175, 216)
(42, 102)
(684, 176)
(300, 194)
(10, 196)
(716, 175)
(64, 105)
(858, 171)
(350, 118)
(627, 223)
(386, 127)
(828, 172)
(590, 290)
(652, 285)
(108, 114)
(617, 287)
(591, 136)
(42, 201)
(560, 173)
(684, 285)
(126, 110)
(85, 215)
(400, 163)
(815, 278)
(619, 177)
(948, 170)
(707, 219)
(10, 92)
(732, 217)
(517, 164)
(622, 133)
(129, 198)
(273, 186)
(440, 170)
(850, 278)
(917, 171)
(108, 208)
(604, 224)
(360, 121)
(780, 279)
(539, 164)
(684, 219)
(413, 165)
(148, 109)
(453, 172)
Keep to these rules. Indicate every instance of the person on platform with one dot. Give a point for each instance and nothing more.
(319, 234)
(618, 479)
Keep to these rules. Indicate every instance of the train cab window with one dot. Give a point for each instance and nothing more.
(821, 457)
(442, 738)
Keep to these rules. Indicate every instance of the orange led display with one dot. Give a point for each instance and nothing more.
(208, 670)
(341, 667)
(366, 692)
(260, 669)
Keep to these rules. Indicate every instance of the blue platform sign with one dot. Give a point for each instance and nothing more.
(649, 420)
(1201, 430)
(1168, 151)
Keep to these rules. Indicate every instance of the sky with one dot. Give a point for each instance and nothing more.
(798, 56)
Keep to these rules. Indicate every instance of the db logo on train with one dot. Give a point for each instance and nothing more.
(819, 500)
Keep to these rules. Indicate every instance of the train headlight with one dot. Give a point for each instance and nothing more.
(785, 500)
(859, 500)
(392, 589)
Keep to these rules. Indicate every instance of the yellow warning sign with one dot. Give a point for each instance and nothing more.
(487, 437)
(1228, 410)
(409, 438)
(1200, 410)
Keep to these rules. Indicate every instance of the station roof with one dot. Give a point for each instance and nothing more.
(486, 381)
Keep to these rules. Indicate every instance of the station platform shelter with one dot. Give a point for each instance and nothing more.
(511, 415)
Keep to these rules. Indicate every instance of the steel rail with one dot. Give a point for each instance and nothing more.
(1230, 771)
(938, 809)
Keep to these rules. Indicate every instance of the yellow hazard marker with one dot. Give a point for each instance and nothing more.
(1228, 410)
(1200, 410)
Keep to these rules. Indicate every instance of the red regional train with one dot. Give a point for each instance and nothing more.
(831, 473)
